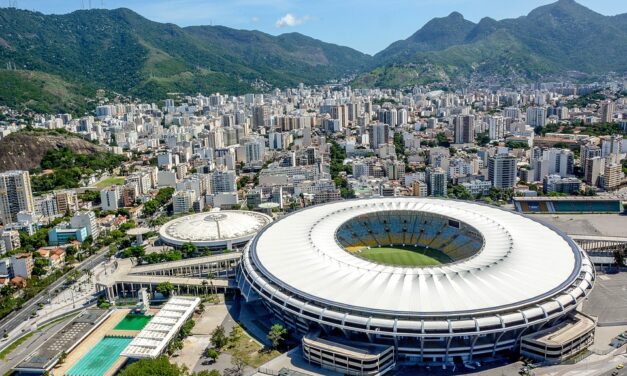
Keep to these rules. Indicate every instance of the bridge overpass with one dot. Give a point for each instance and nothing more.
(601, 248)
(196, 276)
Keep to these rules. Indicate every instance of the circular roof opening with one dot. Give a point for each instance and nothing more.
(408, 238)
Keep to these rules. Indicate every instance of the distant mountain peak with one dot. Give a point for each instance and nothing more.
(569, 8)
(455, 15)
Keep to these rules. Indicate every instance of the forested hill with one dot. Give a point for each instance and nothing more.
(551, 41)
(125, 52)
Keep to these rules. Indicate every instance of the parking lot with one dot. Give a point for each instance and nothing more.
(608, 300)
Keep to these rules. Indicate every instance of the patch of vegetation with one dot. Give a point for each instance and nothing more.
(70, 167)
(410, 256)
(163, 196)
(603, 129)
(160, 366)
(338, 155)
(9, 349)
(585, 100)
(112, 180)
(240, 345)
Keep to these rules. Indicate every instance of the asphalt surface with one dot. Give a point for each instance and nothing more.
(15, 318)
(22, 351)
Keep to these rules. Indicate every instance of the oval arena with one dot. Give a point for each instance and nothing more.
(373, 283)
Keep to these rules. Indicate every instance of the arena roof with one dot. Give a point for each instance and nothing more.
(522, 262)
(214, 229)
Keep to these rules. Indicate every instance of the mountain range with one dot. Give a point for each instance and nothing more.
(55, 62)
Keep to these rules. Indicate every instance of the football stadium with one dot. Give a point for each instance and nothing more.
(373, 283)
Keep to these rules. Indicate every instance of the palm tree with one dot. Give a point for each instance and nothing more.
(204, 285)
(211, 276)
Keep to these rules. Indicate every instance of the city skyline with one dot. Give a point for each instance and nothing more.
(284, 16)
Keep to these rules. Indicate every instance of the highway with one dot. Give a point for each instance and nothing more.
(17, 317)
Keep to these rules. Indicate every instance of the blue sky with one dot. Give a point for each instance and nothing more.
(366, 25)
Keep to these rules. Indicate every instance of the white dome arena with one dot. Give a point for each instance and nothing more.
(498, 275)
(218, 229)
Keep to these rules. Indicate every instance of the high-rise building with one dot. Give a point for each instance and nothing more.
(22, 265)
(223, 181)
(255, 150)
(312, 154)
(15, 195)
(183, 201)
(86, 219)
(261, 116)
(587, 152)
(340, 112)
(110, 198)
(536, 116)
(419, 189)
(502, 171)
(436, 181)
(395, 170)
(67, 201)
(379, 135)
(403, 117)
(593, 170)
(611, 145)
(607, 111)
(512, 113)
(464, 129)
(612, 175)
(556, 183)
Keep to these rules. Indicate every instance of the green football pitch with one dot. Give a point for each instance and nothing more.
(404, 256)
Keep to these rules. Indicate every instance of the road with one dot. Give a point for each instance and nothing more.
(29, 345)
(17, 317)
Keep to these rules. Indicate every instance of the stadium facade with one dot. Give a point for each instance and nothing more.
(505, 278)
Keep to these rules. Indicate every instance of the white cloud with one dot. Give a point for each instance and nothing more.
(254, 19)
(290, 20)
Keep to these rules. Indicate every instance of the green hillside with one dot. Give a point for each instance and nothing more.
(121, 51)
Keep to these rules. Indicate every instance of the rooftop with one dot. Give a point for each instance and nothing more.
(521, 262)
(214, 228)
(155, 336)
(44, 357)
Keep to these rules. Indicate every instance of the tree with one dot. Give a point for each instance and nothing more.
(218, 337)
(277, 334)
(482, 138)
(212, 353)
(73, 276)
(189, 249)
(160, 366)
(443, 140)
(238, 366)
(164, 288)
(62, 357)
(236, 334)
(138, 252)
(213, 372)
(204, 284)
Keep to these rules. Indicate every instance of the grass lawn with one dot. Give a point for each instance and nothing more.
(253, 354)
(112, 180)
(7, 350)
(404, 256)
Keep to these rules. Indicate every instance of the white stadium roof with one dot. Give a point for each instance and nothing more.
(214, 229)
(522, 262)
